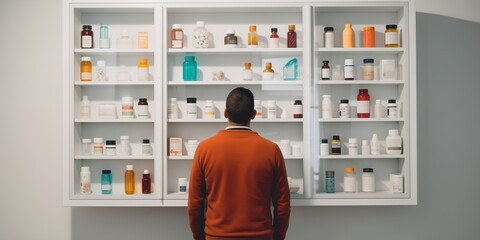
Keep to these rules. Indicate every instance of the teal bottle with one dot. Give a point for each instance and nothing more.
(290, 70)
(330, 182)
(190, 69)
(106, 182)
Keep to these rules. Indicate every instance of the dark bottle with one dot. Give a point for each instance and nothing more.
(298, 109)
(336, 145)
(142, 110)
(146, 182)
(363, 104)
(87, 37)
(291, 37)
(325, 70)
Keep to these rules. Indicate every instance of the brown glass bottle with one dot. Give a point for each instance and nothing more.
(291, 37)
(146, 182)
(336, 145)
(325, 70)
(86, 40)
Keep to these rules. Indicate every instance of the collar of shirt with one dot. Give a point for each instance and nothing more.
(238, 127)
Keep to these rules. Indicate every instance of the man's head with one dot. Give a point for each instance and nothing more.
(239, 106)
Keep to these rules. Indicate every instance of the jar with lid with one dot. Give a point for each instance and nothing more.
(127, 107)
(325, 70)
(352, 146)
(142, 108)
(363, 104)
(97, 146)
(349, 69)
(209, 111)
(86, 40)
(336, 145)
(200, 35)
(191, 108)
(393, 142)
(189, 69)
(124, 41)
(368, 37)
(324, 147)
(298, 109)
(106, 181)
(104, 39)
(86, 69)
(257, 105)
(368, 69)
(330, 182)
(142, 69)
(230, 40)
(247, 72)
(110, 148)
(176, 36)
(125, 148)
(272, 109)
(392, 108)
(273, 43)
(391, 35)
(86, 146)
(368, 180)
(344, 109)
(329, 37)
(172, 108)
(350, 180)
(268, 73)
(146, 147)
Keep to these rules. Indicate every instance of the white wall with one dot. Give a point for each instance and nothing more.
(30, 149)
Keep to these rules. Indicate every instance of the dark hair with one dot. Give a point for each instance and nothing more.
(240, 105)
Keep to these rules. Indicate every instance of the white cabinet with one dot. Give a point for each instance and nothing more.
(306, 167)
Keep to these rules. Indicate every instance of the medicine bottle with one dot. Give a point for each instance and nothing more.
(368, 69)
(86, 146)
(324, 147)
(97, 146)
(191, 108)
(365, 148)
(352, 146)
(129, 180)
(252, 36)
(85, 181)
(125, 148)
(348, 36)
(375, 145)
(247, 72)
(393, 142)
(104, 39)
(329, 181)
(258, 108)
(344, 109)
(230, 40)
(377, 109)
(329, 37)
(172, 109)
(182, 185)
(142, 69)
(142, 108)
(350, 180)
(209, 111)
(325, 70)
(273, 43)
(146, 182)
(85, 107)
(106, 182)
(327, 106)
(110, 148)
(125, 41)
(146, 147)
(127, 107)
(349, 69)
(86, 40)
(368, 37)
(176, 36)
(268, 72)
(298, 109)
(200, 35)
(189, 69)
(336, 145)
(392, 108)
(363, 104)
(85, 69)
(291, 37)
(368, 180)
(271, 109)
(101, 71)
(391, 36)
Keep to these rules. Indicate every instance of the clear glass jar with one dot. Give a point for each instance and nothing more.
(368, 69)
(200, 35)
(86, 146)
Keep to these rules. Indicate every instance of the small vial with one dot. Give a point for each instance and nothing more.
(146, 182)
(252, 37)
(142, 108)
(172, 109)
(365, 147)
(192, 108)
(368, 69)
(268, 73)
(86, 69)
(329, 181)
(97, 146)
(344, 109)
(375, 145)
(336, 145)
(325, 70)
(377, 109)
(106, 182)
(182, 185)
(125, 148)
(86, 40)
(352, 146)
(176, 36)
(86, 146)
(291, 37)
(273, 43)
(349, 69)
(85, 181)
(324, 147)
(146, 147)
(230, 40)
(129, 180)
(209, 111)
(258, 108)
(271, 109)
(329, 37)
(101, 71)
(142, 70)
(298, 109)
(392, 108)
(110, 148)
(368, 180)
(127, 107)
(350, 180)
(247, 72)
(104, 39)
(327, 106)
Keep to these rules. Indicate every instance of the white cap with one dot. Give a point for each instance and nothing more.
(201, 23)
(327, 96)
(182, 181)
(86, 59)
(352, 140)
(124, 33)
(177, 26)
(127, 99)
(85, 169)
(348, 61)
(124, 137)
(145, 171)
(173, 99)
(393, 132)
(85, 98)
(377, 101)
(230, 31)
(101, 63)
(86, 140)
(209, 102)
(97, 140)
(129, 167)
(365, 142)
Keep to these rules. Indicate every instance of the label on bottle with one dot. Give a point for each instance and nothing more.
(177, 43)
(85, 183)
(273, 43)
(127, 110)
(349, 184)
(323, 149)
(368, 183)
(191, 110)
(98, 149)
(178, 36)
(391, 38)
(349, 72)
(326, 109)
(142, 111)
(344, 110)
(267, 75)
(84, 111)
(336, 144)
(87, 41)
(363, 107)
(209, 112)
(106, 187)
(329, 40)
(143, 74)
(247, 74)
(391, 111)
(272, 112)
(172, 110)
(326, 73)
(86, 76)
(368, 73)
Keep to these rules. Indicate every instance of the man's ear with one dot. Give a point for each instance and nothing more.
(225, 114)
(254, 114)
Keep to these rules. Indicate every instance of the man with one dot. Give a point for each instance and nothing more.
(235, 176)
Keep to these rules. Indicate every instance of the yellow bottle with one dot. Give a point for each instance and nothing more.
(348, 36)
(129, 180)
(86, 70)
(253, 36)
(143, 74)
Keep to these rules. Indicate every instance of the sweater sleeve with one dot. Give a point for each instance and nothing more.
(280, 198)
(197, 199)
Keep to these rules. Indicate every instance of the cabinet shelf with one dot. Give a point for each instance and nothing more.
(223, 120)
(359, 120)
(381, 156)
(349, 51)
(360, 82)
(110, 51)
(114, 83)
(115, 196)
(235, 83)
(120, 157)
(361, 195)
(187, 157)
(114, 120)
(237, 51)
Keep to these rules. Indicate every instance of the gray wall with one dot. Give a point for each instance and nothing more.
(30, 92)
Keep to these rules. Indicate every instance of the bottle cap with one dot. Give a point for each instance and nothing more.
(324, 140)
(336, 137)
(189, 58)
(106, 171)
(87, 27)
(391, 26)
(363, 90)
(110, 142)
(325, 61)
(86, 59)
(350, 169)
(231, 31)
(97, 140)
(348, 61)
(200, 24)
(86, 140)
(86, 169)
(274, 30)
(393, 132)
(268, 65)
(365, 142)
(182, 181)
(248, 65)
(145, 171)
(392, 101)
(368, 170)
(352, 140)
(143, 61)
(344, 101)
(191, 100)
(291, 27)
(328, 29)
(142, 100)
(330, 174)
(146, 141)
(252, 28)
(326, 96)
(177, 26)
(368, 60)
(129, 167)
(298, 102)
(124, 137)
(127, 99)
(101, 63)
(368, 28)
(173, 99)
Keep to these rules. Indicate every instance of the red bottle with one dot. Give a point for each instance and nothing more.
(291, 37)
(146, 182)
(363, 104)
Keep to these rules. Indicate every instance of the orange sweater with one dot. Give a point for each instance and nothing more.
(235, 176)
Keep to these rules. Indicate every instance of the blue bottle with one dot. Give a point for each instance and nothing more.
(290, 70)
(104, 39)
(190, 69)
(330, 181)
(106, 182)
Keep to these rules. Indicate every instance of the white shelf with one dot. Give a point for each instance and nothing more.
(360, 82)
(236, 51)
(359, 120)
(187, 157)
(223, 120)
(360, 195)
(116, 196)
(381, 156)
(177, 195)
(114, 120)
(120, 157)
(235, 83)
(114, 83)
(377, 50)
(110, 51)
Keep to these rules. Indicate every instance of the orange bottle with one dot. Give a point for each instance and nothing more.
(129, 180)
(348, 36)
(368, 37)
(86, 70)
